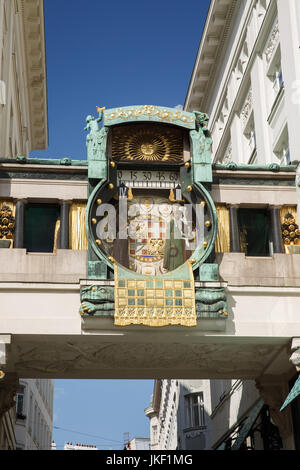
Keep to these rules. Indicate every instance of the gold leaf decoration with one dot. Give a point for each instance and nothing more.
(7, 223)
(144, 143)
(290, 229)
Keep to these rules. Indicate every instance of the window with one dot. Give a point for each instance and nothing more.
(249, 139)
(254, 231)
(30, 414)
(194, 410)
(277, 80)
(20, 402)
(40, 223)
(154, 434)
(281, 148)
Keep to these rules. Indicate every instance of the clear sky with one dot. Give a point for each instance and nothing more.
(111, 53)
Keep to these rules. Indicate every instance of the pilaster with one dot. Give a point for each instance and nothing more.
(64, 224)
(19, 240)
(276, 229)
(258, 81)
(236, 141)
(234, 229)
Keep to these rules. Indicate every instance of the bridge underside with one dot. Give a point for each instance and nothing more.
(120, 355)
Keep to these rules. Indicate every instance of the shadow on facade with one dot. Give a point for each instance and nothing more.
(192, 419)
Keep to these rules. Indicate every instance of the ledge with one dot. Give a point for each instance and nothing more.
(65, 266)
(279, 270)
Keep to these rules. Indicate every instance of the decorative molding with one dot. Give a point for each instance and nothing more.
(272, 42)
(201, 80)
(247, 108)
(149, 113)
(32, 14)
(227, 158)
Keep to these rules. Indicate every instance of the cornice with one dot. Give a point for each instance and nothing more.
(215, 35)
(32, 17)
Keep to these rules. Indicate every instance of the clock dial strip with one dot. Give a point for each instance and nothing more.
(148, 179)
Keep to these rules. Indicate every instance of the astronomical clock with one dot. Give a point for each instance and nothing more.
(150, 219)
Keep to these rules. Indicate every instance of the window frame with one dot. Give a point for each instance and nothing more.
(194, 410)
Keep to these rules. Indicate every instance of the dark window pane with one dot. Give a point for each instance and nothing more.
(254, 231)
(40, 220)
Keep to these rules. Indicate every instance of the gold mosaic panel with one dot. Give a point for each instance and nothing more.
(155, 302)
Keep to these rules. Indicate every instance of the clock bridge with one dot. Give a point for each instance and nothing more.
(147, 261)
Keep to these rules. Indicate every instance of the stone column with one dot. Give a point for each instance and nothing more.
(64, 224)
(276, 229)
(234, 230)
(19, 240)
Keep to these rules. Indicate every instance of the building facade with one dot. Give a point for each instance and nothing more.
(34, 412)
(180, 415)
(23, 94)
(138, 443)
(77, 446)
(23, 127)
(246, 76)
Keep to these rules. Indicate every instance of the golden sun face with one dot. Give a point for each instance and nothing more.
(147, 143)
(147, 149)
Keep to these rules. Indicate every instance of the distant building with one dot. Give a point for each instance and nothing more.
(179, 415)
(77, 446)
(139, 443)
(34, 411)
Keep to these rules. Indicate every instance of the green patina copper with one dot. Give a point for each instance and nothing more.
(211, 302)
(294, 393)
(274, 167)
(200, 171)
(96, 147)
(201, 150)
(97, 300)
(152, 113)
(64, 161)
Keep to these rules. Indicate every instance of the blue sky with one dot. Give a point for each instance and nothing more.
(111, 53)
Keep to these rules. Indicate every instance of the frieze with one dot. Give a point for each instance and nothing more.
(254, 181)
(99, 301)
(70, 176)
(151, 113)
